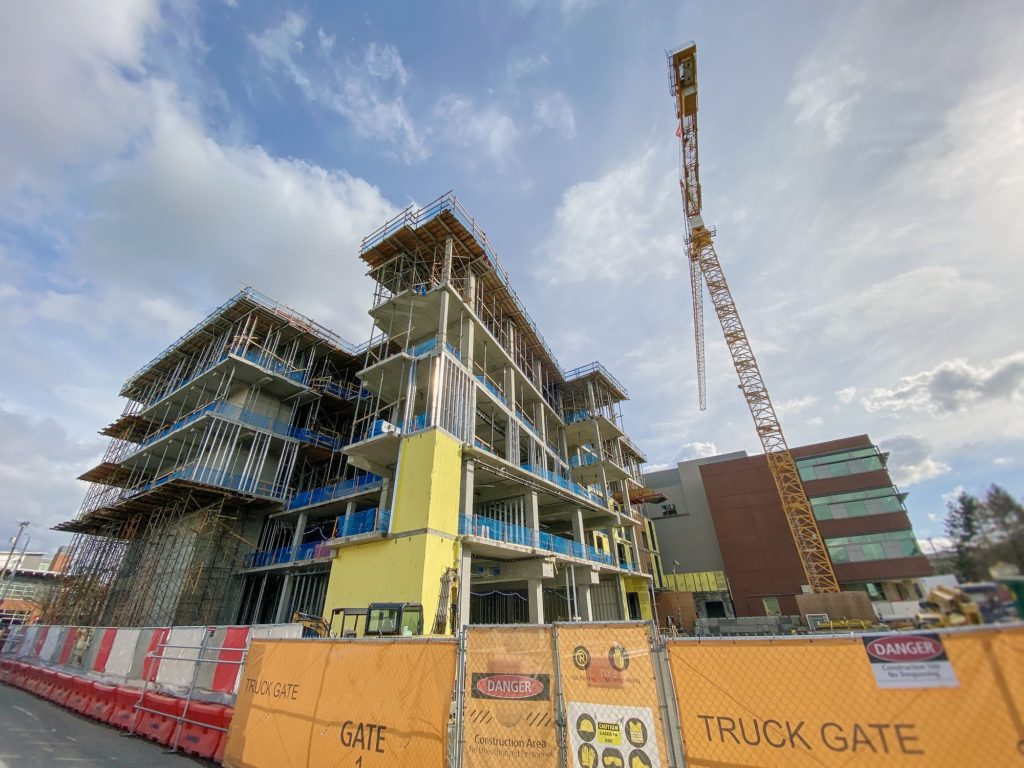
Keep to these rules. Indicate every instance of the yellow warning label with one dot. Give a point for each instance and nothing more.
(609, 733)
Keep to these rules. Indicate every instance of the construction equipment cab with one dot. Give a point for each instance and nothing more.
(393, 620)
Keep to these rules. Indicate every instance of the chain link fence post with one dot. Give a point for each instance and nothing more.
(669, 705)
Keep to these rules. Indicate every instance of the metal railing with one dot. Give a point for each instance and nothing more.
(340, 489)
(510, 533)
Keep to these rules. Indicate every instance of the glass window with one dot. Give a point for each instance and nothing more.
(876, 501)
(381, 621)
(839, 464)
(412, 621)
(771, 606)
(873, 546)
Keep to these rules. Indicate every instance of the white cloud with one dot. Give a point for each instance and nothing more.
(950, 497)
(622, 227)
(210, 216)
(815, 421)
(69, 82)
(367, 93)
(486, 131)
(553, 110)
(824, 94)
(795, 405)
(846, 395)
(911, 460)
(1004, 461)
(325, 42)
(935, 544)
(950, 387)
(37, 473)
(697, 450)
(571, 7)
(517, 69)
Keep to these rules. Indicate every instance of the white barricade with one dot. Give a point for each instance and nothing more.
(52, 644)
(122, 653)
(178, 656)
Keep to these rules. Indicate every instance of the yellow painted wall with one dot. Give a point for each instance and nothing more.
(639, 585)
(428, 484)
(407, 568)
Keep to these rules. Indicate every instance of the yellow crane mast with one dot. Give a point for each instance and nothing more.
(706, 269)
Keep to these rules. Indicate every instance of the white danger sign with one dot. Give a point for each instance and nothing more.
(915, 660)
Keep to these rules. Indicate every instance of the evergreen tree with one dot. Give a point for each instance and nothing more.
(962, 527)
(1001, 523)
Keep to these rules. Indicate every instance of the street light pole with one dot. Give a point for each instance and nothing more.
(10, 556)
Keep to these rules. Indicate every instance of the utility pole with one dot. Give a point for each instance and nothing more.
(10, 557)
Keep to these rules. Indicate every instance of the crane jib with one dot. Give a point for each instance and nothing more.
(705, 269)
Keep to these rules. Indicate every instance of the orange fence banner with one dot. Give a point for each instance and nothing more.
(509, 705)
(612, 704)
(927, 699)
(366, 704)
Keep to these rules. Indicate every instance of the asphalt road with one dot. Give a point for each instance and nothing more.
(37, 734)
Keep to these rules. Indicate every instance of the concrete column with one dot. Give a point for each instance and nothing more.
(577, 526)
(533, 515)
(300, 527)
(446, 269)
(468, 337)
(280, 615)
(540, 421)
(583, 605)
(443, 320)
(465, 578)
(350, 509)
(467, 495)
(535, 595)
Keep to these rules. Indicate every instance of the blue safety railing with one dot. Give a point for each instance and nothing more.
(595, 367)
(251, 419)
(584, 460)
(209, 476)
(340, 489)
(344, 391)
(424, 347)
(365, 521)
(492, 388)
(571, 417)
(564, 482)
(257, 357)
(418, 423)
(269, 557)
(509, 533)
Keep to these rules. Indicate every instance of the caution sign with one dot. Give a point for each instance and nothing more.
(346, 703)
(910, 661)
(820, 702)
(611, 696)
(509, 716)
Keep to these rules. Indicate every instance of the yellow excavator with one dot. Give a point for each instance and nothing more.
(947, 607)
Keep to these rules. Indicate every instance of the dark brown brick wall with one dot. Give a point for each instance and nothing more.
(757, 546)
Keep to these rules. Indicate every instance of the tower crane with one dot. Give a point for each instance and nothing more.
(706, 269)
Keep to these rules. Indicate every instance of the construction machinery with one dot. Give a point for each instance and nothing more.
(706, 269)
(947, 607)
(377, 620)
(312, 626)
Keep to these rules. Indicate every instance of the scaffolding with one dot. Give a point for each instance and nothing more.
(252, 406)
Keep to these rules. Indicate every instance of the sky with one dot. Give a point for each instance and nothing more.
(863, 164)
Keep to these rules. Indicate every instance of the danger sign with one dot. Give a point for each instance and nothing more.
(910, 661)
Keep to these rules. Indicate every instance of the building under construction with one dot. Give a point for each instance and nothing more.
(263, 465)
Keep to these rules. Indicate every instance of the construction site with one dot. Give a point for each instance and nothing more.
(264, 466)
(438, 547)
